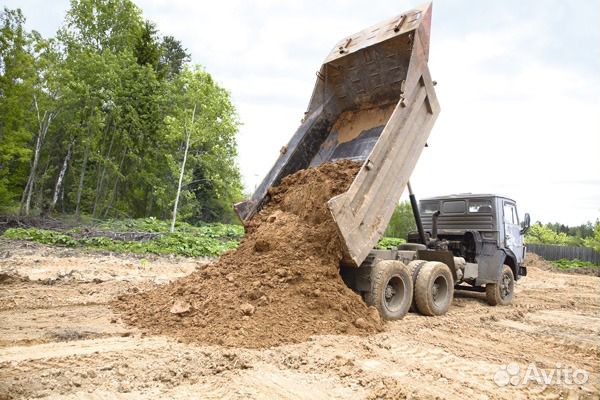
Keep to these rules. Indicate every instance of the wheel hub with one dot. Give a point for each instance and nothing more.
(505, 286)
(389, 292)
(393, 294)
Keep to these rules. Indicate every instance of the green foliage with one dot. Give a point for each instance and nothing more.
(152, 224)
(121, 97)
(593, 240)
(550, 234)
(564, 263)
(387, 242)
(190, 241)
(402, 221)
(539, 233)
(40, 235)
(17, 87)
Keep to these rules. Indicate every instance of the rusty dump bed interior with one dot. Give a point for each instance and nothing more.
(373, 102)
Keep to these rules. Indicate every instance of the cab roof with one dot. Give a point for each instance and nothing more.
(467, 196)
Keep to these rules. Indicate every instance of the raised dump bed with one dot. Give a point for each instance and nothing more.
(373, 102)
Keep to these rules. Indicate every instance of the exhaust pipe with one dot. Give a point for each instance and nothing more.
(416, 214)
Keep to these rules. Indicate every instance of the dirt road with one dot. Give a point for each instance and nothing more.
(59, 339)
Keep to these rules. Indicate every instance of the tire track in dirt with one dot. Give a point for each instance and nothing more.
(554, 320)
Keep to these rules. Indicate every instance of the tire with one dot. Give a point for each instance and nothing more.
(503, 292)
(434, 289)
(414, 267)
(391, 289)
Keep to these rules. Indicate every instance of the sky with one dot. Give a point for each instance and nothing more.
(518, 84)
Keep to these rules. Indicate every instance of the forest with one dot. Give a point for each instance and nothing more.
(110, 119)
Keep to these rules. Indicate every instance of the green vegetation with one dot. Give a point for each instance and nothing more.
(587, 235)
(564, 263)
(190, 241)
(97, 120)
(402, 221)
(387, 242)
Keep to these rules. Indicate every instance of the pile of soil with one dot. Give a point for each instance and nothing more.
(533, 260)
(281, 285)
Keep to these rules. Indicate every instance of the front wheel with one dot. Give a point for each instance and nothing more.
(391, 289)
(501, 293)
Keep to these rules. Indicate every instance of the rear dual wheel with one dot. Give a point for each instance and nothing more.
(391, 289)
(434, 288)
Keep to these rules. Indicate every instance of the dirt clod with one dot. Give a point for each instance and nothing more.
(360, 323)
(287, 283)
(247, 309)
(180, 307)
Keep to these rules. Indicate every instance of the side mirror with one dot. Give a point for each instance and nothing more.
(525, 224)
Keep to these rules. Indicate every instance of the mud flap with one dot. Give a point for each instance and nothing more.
(490, 267)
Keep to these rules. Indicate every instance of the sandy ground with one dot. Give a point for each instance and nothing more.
(59, 339)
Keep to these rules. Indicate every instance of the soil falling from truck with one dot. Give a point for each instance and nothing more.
(281, 285)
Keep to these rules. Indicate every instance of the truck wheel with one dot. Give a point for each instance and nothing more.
(414, 267)
(502, 292)
(434, 289)
(391, 289)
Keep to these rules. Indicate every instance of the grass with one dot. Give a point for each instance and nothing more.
(187, 240)
(564, 263)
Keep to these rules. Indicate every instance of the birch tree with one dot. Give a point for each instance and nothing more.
(188, 135)
(43, 125)
(61, 176)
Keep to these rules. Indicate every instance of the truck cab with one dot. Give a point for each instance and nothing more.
(484, 229)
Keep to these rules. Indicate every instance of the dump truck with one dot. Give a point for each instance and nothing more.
(374, 102)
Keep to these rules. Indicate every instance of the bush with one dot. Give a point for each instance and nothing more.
(40, 235)
(564, 263)
(387, 242)
(190, 241)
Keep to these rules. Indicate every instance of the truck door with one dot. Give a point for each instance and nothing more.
(512, 230)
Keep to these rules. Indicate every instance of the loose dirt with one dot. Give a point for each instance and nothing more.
(281, 285)
(352, 123)
(59, 339)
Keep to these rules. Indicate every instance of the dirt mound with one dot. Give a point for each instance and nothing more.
(533, 260)
(281, 285)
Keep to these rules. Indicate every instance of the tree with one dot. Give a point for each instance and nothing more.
(544, 234)
(102, 26)
(188, 135)
(172, 57)
(91, 122)
(594, 239)
(147, 48)
(402, 221)
(17, 87)
(212, 148)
